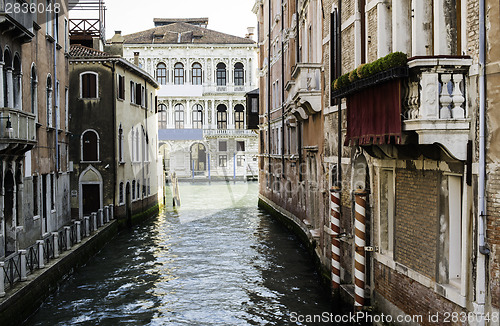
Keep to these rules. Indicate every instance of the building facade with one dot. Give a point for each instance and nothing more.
(33, 93)
(114, 143)
(203, 76)
(406, 154)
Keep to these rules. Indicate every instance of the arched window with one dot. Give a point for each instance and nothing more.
(239, 75)
(197, 116)
(121, 190)
(239, 117)
(137, 155)
(133, 190)
(221, 116)
(34, 90)
(49, 101)
(138, 190)
(221, 74)
(179, 116)
(197, 74)
(161, 73)
(179, 74)
(162, 116)
(88, 85)
(90, 146)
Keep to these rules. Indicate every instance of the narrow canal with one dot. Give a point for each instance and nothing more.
(216, 260)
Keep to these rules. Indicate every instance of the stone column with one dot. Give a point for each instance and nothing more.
(100, 214)
(2, 96)
(22, 256)
(422, 28)
(56, 244)
(67, 229)
(384, 37)
(78, 231)
(41, 261)
(214, 115)
(10, 89)
(401, 26)
(19, 94)
(2, 279)
(206, 112)
(230, 115)
(445, 31)
(189, 116)
(86, 222)
(170, 120)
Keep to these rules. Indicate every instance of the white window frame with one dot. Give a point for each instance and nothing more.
(96, 85)
(98, 146)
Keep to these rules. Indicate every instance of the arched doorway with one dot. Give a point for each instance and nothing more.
(90, 191)
(9, 225)
(198, 157)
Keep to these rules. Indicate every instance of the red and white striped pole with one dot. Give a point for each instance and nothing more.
(335, 226)
(360, 242)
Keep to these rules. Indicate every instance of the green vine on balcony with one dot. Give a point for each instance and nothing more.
(392, 60)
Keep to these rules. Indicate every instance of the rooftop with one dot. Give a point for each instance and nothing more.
(81, 51)
(183, 33)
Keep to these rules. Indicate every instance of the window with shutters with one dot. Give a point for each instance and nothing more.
(88, 85)
(121, 87)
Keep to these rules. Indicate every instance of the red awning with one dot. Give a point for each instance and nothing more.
(374, 115)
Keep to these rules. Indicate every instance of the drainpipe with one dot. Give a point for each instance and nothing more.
(483, 250)
(282, 92)
(114, 96)
(269, 93)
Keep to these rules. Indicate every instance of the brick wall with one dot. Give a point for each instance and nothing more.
(493, 233)
(348, 49)
(347, 9)
(410, 296)
(371, 18)
(473, 28)
(416, 221)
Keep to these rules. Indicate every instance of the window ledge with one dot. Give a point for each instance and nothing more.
(50, 129)
(448, 291)
(89, 98)
(86, 162)
(120, 99)
(38, 124)
(58, 46)
(49, 38)
(59, 130)
(36, 217)
(121, 162)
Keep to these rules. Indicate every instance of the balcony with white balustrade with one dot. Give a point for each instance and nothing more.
(435, 103)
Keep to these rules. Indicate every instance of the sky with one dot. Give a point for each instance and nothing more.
(227, 16)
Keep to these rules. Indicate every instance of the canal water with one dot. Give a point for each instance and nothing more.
(216, 260)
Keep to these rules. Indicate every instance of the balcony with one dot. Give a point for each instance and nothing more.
(305, 89)
(435, 103)
(14, 22)
(22, 136)
(228, 133)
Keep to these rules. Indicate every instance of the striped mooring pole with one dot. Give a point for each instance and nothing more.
(360, 242)
(335, 226)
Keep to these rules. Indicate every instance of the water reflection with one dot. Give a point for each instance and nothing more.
(217, 260)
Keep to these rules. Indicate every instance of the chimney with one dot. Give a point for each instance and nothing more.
(250, 32)
(115, 45)
(136, 59)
